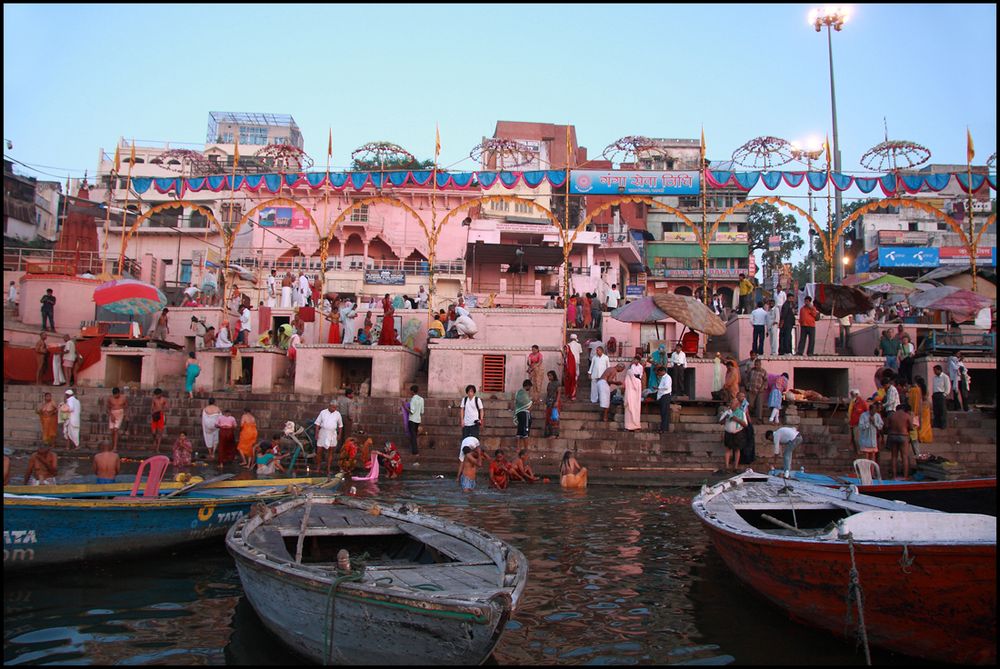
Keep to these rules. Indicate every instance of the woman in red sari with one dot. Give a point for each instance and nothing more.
(569, 373)
(571, 312)
(586, 311)
(388, 335)
(334, 318)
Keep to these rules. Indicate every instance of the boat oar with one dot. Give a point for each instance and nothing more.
(200, 484)
(781, 523)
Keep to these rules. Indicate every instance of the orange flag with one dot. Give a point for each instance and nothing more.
(826, 145)
(437, 141)
(236, 153)
(118, 159)
(329, 146)
(970, 150)
(703, 147)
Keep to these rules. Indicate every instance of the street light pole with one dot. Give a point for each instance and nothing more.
(833, 17)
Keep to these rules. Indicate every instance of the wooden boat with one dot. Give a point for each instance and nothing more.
(928, 578)
(228, 488)
(957, 496)
(430, 591)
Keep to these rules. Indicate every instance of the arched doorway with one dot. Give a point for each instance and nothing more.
(683, 290)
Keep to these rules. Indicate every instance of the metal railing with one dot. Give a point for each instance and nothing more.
(51, 261)
(312, 264)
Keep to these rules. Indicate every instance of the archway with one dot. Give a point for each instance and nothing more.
(683, 290)
(155, 209)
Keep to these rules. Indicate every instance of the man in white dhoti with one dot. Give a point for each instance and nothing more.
(598, 365)
(71, 428)
(348, 326)
(286, 291)
(304, 290)
(209, 427)
(272, 288)
(577, 350)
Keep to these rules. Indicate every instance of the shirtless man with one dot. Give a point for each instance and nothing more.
(158, 419)
(116, 414)
(210, 337)
(107, 464)
(42, 467)
(466, 475)
(521, 471)
(41, 353)
(612, 376)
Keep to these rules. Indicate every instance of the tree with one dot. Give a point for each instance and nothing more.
(766, 219)
(391, 164)
(802, 271)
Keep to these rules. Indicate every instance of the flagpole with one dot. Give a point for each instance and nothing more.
(128, 187)
(228, 232)
(107, 212)
(432, 241)
(969, 155)
(830, 253)
(704, 222)
(324, 240)
(566, 245)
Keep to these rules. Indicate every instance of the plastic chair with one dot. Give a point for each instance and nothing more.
(865, 469)
(157, 467)
(372, 472)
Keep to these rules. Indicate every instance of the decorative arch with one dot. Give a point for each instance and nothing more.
(635, 198)
(990, 220)
(771, 199)
(381, 199)
(901, 202)
(485, 199)
(179, 204)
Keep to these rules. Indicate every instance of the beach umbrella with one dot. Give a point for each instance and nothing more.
(963, 305)
(889, 283)
(839, 301)
(690, 312)
(643, 310)
(128, 296)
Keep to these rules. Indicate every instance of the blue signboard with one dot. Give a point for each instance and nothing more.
(908, 256)
(617, 182)
(634, 290)
(862, 264)
(385, 277)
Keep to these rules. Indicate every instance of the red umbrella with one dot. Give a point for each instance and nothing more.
(963, 305)
(128, 296)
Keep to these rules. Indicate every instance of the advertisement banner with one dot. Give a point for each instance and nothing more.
(959, 255)
(905, 256)
(635, 291)
(774, 243)
(283, 217)
(903, 238)
(617, 182)
(733, 237)
(385, 277)
(680, 237)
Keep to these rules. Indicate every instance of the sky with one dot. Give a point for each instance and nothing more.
(78, 77)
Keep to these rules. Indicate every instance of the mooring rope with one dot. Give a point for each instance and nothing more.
(854, 593)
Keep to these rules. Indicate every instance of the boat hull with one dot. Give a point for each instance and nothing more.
(905, 603)
(42, 532)
(367, 628)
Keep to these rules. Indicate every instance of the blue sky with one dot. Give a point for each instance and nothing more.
(76, 77)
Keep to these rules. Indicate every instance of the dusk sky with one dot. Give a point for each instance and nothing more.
(76, 77)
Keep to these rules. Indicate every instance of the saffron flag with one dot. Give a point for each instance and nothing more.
(329, 146)
(970, 150)
(236, 153)
(703, 147)
(118, 159)
(826, 146)
(131, 155)
(437, 141)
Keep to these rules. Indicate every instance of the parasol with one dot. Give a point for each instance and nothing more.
(889, 283)
(963, 305)
(893, 154)
(839, 301)
(861, 277)
(128, 296)
(643, 310)
(690, 312)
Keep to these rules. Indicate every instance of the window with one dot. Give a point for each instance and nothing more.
(253, 135)
(500, 205)
(360, 215)
(198, 220)
(231, 216)
(689, 202)
(522, 207)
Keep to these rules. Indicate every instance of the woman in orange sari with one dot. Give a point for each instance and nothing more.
(571, 312)
(48, 414)
(587, 317)
(925, 434)
(248, 438)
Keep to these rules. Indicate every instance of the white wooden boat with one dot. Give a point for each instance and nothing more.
(418, 590)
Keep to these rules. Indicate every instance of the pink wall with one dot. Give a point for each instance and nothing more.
(74, 300)
(393, 368)
(159, 367)
(456, 364)
(739, 336)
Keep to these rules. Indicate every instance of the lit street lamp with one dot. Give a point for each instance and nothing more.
(832, 17)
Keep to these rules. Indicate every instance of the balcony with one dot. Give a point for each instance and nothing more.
(713, 273)
(690, 237)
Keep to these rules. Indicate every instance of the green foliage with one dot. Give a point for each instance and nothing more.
(762, 219)
(401, 163)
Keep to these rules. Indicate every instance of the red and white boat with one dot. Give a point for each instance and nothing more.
(928, 578)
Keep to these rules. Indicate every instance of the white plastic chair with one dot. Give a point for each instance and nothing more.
(866, 469)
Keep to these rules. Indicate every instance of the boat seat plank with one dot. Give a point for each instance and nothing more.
(317, 531)
(269, 540)
(440, 581)
(449, 545)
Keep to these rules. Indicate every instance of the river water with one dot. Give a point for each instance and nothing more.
(618, 575)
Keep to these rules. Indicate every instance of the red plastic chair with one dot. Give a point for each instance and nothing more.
(157, 468)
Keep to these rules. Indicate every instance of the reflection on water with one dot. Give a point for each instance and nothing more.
(618, 575)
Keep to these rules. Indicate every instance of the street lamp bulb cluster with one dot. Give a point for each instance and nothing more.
(831, 16)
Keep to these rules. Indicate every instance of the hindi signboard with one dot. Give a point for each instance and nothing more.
(385, 277)
(618, 182)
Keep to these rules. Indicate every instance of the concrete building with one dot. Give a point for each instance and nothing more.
(30, 207)
(674, 255)
(909, 242)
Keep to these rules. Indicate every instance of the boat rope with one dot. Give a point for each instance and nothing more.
(855, 594)
(906, 561)
(331, 606)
